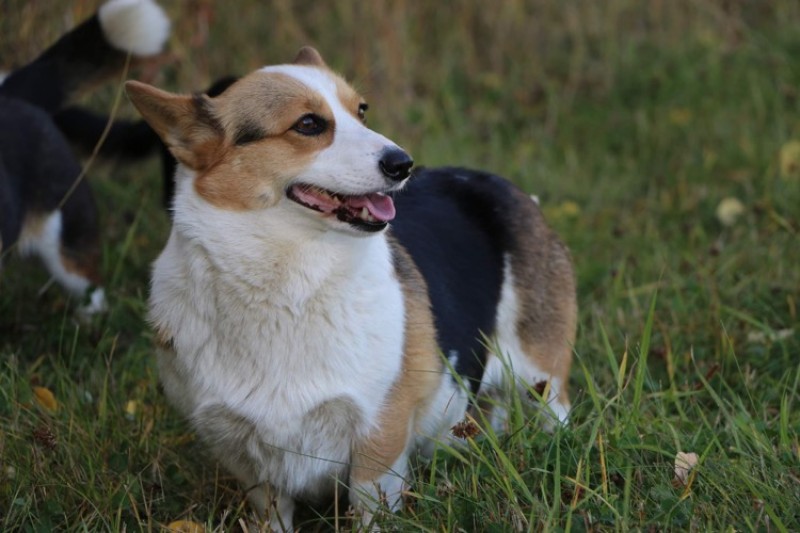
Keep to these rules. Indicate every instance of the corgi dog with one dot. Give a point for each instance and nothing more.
(46, 208)
(320, 311)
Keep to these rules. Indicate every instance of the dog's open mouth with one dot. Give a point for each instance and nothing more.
(369, 212)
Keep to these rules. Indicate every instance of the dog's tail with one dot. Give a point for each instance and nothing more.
(92, 52)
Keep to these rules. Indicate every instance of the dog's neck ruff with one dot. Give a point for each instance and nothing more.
(278, 253)
(277, 289)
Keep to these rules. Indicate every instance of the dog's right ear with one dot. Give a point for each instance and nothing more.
(186, 123)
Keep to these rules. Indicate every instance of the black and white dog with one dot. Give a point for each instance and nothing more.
(45, 209)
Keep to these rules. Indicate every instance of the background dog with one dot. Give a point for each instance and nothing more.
(309, 288)
(46, 208)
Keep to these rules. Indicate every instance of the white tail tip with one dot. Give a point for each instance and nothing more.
(137, 26)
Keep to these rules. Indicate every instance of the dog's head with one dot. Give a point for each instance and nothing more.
(292, 135)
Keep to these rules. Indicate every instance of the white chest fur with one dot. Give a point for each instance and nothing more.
(276, 332)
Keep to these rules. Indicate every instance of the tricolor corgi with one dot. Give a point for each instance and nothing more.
(45, 207)
(314, 294)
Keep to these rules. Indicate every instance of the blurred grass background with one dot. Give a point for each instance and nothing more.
(632, 120)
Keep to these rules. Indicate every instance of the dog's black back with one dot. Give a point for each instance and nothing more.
(453, 222)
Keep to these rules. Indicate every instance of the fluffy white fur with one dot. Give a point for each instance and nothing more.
(137, 26)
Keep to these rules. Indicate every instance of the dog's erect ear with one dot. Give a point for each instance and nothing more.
(186, 123)
(308, 55)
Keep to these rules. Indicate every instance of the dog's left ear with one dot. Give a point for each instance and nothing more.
(186, 123)
(308, 55)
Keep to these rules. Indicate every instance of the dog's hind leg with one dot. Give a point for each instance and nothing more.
(535, 334)
(70, 258)
(531, 355)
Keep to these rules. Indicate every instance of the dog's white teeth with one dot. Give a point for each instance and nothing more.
(365, 214)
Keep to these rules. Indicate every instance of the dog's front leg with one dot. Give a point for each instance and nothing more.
(272, 506)
(379, 472)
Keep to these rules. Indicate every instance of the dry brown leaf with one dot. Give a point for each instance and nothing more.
(44, 436)
(465, 429)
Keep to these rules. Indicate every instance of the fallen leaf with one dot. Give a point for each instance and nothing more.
(564, 210)
(130, 408)
(761, 337)
(728, 210)
(680, 116)
(45, 398)
(185, 526)
(684, 462)
(790, 160)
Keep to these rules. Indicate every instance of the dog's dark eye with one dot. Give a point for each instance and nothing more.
(362, 111)
(310, 124)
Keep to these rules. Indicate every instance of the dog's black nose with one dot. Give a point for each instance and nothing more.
(395, 164)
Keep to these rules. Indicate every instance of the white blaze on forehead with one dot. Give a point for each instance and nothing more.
(316, 79)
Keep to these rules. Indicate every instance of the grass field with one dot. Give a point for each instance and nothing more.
(663, 138)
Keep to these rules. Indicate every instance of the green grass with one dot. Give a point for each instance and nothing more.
(632, 122)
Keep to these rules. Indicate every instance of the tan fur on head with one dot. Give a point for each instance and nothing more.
(244, 135)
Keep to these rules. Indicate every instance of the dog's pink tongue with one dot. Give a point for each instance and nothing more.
(379, 205)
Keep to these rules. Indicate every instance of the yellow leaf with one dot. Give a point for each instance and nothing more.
(728, 210)
(565, 210)
(45, 398)
(680, 116)
(185, 526)
(570, 209)
(130, 408)
(790, 160)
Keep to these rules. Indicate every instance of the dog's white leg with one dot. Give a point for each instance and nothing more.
(276, 509)
(43, 238)
(96, 303)
(368, 495)
(446, 410)
(522, 365)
